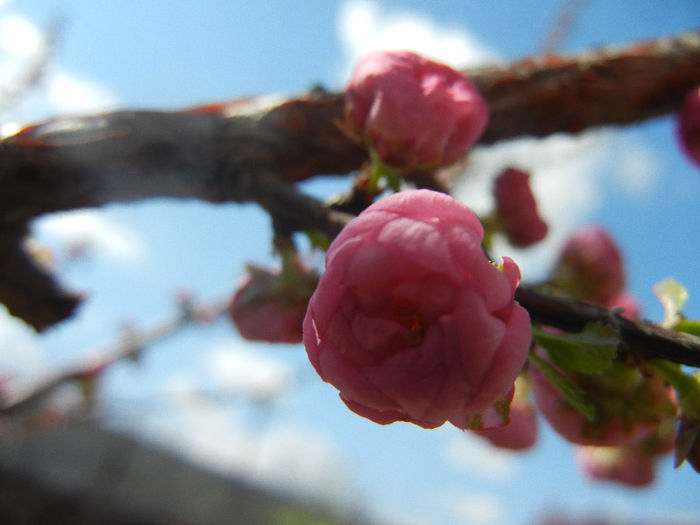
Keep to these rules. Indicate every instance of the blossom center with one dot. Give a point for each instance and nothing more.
(405, 312)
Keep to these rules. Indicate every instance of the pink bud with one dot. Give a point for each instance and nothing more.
(626, 465)
(628, 303)
(271, 307)
(687, 445)
(629, 403)
(520, 433)
(411, 321)
(590, 267)
(517, 209)
(415, 113)
(689, 126)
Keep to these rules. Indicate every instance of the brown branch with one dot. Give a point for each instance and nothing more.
(637, 337)
(244, 151)
(612, 86)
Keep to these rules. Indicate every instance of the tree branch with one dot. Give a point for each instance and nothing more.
(611, 86)
(637, 337)
(254, 149)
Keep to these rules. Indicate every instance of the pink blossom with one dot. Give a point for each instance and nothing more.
(411, 321)
(628, 303)
(415, 113)
(632, 464)
(629, 403)
(626, 465)
(689, 126)
(590, 266)
(521, 431)
(270, 306)
(517, 209)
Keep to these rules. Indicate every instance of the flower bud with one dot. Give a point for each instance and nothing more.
(415, 113)
(630, 404)
(628, 303)
(632, 464)
(688, 444)
(517, 209)
(270, 305)
(590, 267)
(411, 321)
(689, 126)
(624, 465)
(521, 431)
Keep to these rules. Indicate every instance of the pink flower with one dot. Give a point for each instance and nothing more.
(624, 465)
(632, 464)
(689, 126)
(411, 321)
(630, 404)
(590, 267)
(517, 209)
(270, 306)
(521, 431)
(415, 113)
(628, 303)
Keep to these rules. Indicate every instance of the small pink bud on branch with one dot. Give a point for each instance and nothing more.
(416, 114)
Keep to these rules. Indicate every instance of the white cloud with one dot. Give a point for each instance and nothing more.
(478, 508)
(236, 369)
(480, 459)
(284, 456)
(70, 93)
(363, 27)
(403, 515)
(19, 37)
(92, 230)
(636, 169)
(57, 91)
(306, 459)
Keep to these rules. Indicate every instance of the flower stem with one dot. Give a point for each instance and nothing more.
(378, 170)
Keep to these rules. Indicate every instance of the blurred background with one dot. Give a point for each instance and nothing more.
(206, 426)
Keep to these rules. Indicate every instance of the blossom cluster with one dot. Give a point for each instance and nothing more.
(413, 322)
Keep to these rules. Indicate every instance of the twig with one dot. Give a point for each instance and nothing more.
(561, 27)
(13, 90)
(637, 337)
(128, 344)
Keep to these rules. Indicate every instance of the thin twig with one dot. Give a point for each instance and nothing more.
(127, 345)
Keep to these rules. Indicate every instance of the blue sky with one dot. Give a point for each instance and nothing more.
(196, 393)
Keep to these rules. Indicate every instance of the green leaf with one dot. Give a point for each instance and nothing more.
(590, 351)
(687, 386)
(569, 391)
(689, 326)
(318, 240)
(672, 296)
